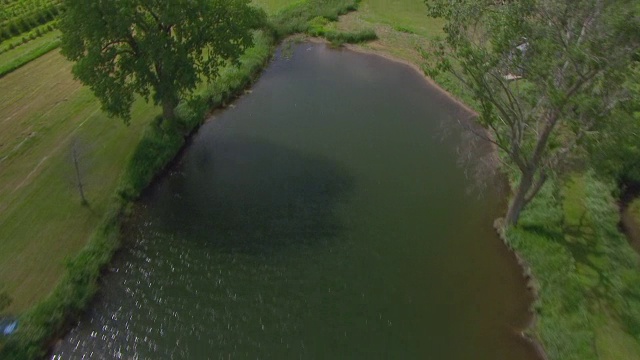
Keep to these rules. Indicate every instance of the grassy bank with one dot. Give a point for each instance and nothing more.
(154, 149)
(44, 113)
(585, 272)
(586, 275)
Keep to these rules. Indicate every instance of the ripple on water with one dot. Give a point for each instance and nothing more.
(339, 227)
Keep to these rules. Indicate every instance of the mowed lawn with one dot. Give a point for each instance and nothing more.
(43, 112)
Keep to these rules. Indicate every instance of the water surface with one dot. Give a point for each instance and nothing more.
(323, 216)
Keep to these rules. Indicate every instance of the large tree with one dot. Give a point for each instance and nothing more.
(156, 48)
(545, 75)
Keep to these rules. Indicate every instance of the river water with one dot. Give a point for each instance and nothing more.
(324, 215)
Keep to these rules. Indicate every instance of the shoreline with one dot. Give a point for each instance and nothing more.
(356, 48)
(527, 273)
(108, 233)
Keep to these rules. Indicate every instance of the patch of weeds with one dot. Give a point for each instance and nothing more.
(403, 29)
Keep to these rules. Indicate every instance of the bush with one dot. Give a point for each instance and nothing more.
(297, 18)
(338, 38)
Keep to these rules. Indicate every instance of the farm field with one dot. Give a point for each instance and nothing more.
(27, 31)
(29, 47)
(18, 17)
(43, 112)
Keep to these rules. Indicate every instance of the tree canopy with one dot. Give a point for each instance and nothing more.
(158, 49)
(619, 156)
(546, 76)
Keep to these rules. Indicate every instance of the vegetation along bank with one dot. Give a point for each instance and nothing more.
(585, 273)
(159, 143)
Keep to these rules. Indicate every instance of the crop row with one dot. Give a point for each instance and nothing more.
(27, 37)
(29, 19)
(18, 8)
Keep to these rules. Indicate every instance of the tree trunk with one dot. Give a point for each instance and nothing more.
(168, 109)
(520, 199)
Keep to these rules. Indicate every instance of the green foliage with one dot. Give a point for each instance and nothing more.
(403, 29)
(158, 49)
(314, 17)
(73, 293)
(573, 64)
(302, 17)
(338, 38)
(22, 16)
(318, 27)
(158, 145)
(28, 57)
(585, 271)
(11, 44)
(612, 153)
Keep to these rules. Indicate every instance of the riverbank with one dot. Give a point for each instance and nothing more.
(556, 251)
(564, 264)
(49, 318)
(45, 116)
(585, 273)
(467, 115)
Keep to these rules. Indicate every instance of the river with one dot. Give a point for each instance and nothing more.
(323, 215)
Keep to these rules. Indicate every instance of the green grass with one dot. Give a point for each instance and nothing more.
(275, 6)
(587, 275)
(408, 16)
(23, 54)
(585, 272)
(634, 209)
(142, 161)
(49, 234)
(613, 343)
(42, 222)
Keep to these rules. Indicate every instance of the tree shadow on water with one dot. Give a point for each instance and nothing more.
(251, 196)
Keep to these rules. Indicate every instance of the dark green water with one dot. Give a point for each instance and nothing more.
(324, 216)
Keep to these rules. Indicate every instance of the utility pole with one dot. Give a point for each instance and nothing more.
(78, 178)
